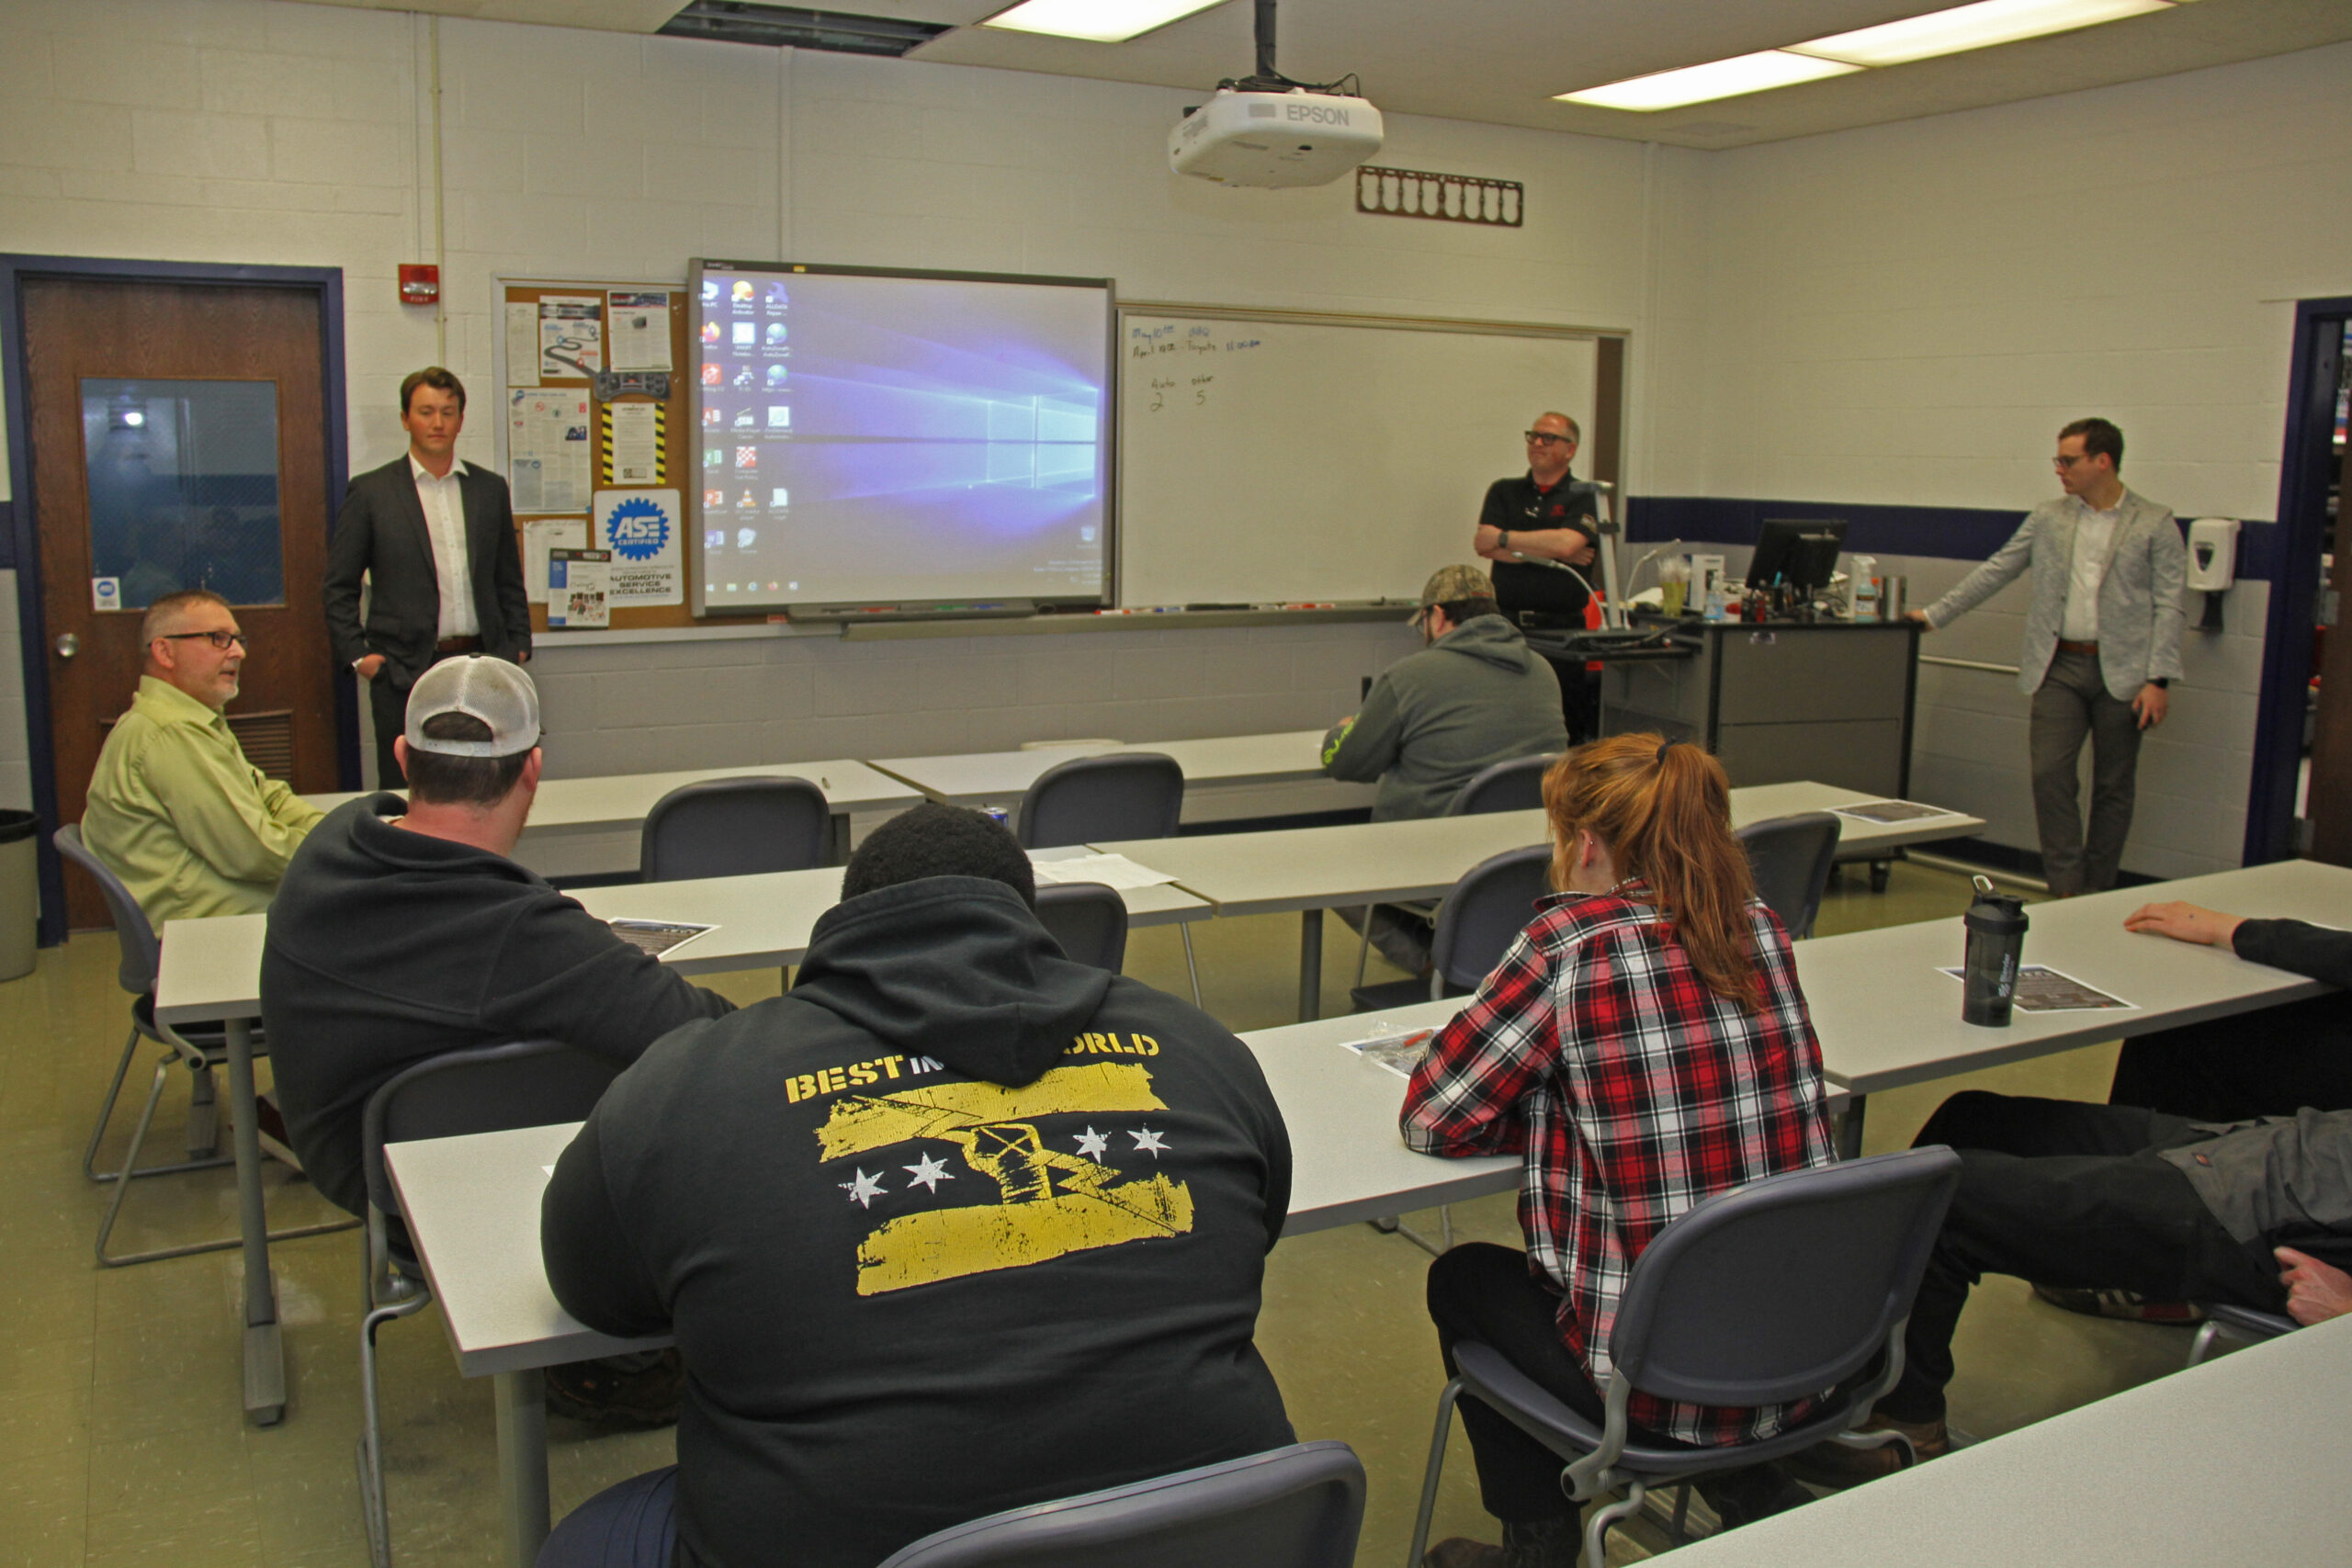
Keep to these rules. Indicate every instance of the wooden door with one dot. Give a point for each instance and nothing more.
(178, 438)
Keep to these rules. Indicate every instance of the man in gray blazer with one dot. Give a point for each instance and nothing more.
(435, 540)
(2102, 643)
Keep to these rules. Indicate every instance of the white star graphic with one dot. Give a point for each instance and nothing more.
(1147, 1139)
(1092, 1144)
(929, 1173)
(864, 1190)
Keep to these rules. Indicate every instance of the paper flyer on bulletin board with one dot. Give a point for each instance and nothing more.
(541, 535)
(639, 338)
(571, 335)
(522, 343)
(634, 437)
(547, 449)
(642, 528)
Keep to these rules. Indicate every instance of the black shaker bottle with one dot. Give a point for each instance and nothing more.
(1996, 924)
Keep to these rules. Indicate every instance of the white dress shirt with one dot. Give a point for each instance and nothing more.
(2094, 545)
(445, 520)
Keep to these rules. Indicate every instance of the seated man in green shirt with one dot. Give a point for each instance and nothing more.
(190, 826)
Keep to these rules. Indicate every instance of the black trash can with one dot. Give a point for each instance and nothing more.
(19, 894)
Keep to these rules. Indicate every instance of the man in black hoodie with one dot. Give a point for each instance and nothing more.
(405, 930)
(956, 1225)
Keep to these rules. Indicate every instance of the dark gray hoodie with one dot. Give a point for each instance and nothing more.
(1476, 697)
(956, 1225)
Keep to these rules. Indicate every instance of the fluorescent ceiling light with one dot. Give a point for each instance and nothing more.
(1097, 21)
(1980, 25)
(1716, 79)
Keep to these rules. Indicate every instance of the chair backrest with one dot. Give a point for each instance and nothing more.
(1294, 1508)
(483, 1089)
(1515, 785)
(141, 951)
(735, 828)
(1089, 919)
(1784, 1287)
(1791, 858)
(1124, 795)
(1486, 911)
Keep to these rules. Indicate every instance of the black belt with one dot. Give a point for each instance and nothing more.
(2086, 647)
(458, 645)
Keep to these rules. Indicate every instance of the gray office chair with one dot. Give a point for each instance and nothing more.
(1094, 800)
(1515, 785)
(1791, 857)
(484, 1088)
(1476, 926)
(199, 1050)
(1771, 1292)
(1294, 1508)
(2239, 1323)
(1089, 919)
(735, 828)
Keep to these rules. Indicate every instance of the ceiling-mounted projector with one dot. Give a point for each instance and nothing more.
(1290, 137)
(1266, 130)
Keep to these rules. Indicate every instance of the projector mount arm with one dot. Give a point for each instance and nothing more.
(1269, 79)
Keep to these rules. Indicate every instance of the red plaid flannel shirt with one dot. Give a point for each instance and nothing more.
(1633, 1091)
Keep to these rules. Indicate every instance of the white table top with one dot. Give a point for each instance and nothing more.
(764, 920)
(2241, 1460)
(620, 801)
(1857, 840)
(1001, 778)
(210, 969)
(1885, 1018)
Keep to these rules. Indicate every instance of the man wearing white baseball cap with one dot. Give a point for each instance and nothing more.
(403, 930)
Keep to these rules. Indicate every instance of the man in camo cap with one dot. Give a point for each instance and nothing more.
(1475, 696)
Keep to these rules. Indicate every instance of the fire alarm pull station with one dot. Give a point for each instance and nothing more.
(420, 283)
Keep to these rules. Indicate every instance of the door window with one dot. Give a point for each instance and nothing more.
(183, 478)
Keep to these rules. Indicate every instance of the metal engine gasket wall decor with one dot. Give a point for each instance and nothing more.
(1450, 198)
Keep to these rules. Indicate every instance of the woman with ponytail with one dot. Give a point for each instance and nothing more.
(1643, 1045)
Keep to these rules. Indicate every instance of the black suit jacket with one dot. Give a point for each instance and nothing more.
(380, 535)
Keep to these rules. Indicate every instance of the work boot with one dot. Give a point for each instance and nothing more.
(1759, 1491)
(1833, 1463)
(1546, 1543)
(2129, 1306)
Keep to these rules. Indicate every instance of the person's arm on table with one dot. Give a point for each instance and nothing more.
(592, 1268)
(1360, 748)
(246, 825)
(1463, 1097)
(563, 975)
(2292, 946)
(2316, 1292)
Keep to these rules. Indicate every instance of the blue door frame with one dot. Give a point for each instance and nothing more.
(2303, 475)
(20, 541)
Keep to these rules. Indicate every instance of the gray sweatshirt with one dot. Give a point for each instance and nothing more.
(1477, 696)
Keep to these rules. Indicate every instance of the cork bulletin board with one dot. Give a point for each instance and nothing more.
(640, 453)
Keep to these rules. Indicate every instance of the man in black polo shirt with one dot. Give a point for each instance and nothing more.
(1539, 518)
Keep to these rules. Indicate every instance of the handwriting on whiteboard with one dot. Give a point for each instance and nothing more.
(1174, 390)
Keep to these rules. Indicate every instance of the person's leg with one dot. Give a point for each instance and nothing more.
(1398, 935)
(1484, 1292)
(633, 1525)
(2270, 1063)
(2115, 766)
(2060, 719)
(2109, 1213)
(388, 709)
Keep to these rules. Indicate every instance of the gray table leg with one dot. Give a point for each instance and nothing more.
(1310, 966)
(265, 1355)
(522, 1462)
(838, 847)
(1849, 1128)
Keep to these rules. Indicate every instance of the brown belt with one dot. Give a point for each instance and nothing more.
(2066, 647)
(458, 645)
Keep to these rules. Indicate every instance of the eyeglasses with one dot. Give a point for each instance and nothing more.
(2063, 461)
(1546, 438)
(221, 640)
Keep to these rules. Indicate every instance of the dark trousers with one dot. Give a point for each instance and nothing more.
(633, 1525)
(2071, 704)
(389, 706)
(1485, 1292)
(2271, 1063)
(2061, 1192)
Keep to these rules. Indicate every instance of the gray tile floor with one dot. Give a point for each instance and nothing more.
(121, 1440)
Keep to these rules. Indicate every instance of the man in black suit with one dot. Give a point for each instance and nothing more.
(414, 528)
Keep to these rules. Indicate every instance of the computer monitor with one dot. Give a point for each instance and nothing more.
(1799, 551)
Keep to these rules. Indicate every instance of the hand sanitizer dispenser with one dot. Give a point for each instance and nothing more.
(2212, 564)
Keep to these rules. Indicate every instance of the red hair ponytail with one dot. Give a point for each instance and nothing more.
(1664, 811)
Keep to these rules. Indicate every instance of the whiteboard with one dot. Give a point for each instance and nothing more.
(1267, 458)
